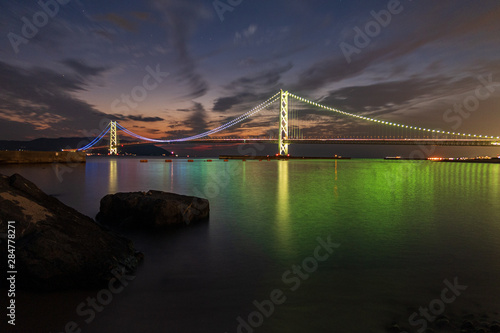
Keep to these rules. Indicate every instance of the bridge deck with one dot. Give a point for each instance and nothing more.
(433, 142)
(424, 142)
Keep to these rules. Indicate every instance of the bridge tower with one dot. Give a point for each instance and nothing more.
(283, 122)
(113, 139)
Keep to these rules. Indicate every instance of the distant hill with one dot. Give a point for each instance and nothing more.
(42, 144)
(69, 143)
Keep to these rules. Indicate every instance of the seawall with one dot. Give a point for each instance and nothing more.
(22, 157)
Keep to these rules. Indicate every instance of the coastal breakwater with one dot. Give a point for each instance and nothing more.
(25, 157)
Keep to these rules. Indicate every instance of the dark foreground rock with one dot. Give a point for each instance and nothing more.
(468, 323)
(56, 246)
(152, 209)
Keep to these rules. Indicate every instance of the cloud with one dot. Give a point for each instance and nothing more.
(395, 45)
(197, 120)
(141, 15)
(104, 34)
(81, 68)
(274, 56)
(399, 95)
(415, 100)
(119, 21)
(181, 19)
(264, 80)
(249, 90)
(383, 95)
(245, 34)
(226, 103)
(138, 118)
(334, 69)
(40, 102)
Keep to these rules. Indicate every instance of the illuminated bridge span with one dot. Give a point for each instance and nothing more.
(296, 114)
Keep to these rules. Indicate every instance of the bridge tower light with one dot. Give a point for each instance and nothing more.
(113, 139)
(283, 123)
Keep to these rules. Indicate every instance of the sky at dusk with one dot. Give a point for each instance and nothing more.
(65, 69)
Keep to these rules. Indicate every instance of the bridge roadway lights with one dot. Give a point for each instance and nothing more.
(283, 146)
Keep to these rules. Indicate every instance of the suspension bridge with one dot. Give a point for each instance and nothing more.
(293, 124)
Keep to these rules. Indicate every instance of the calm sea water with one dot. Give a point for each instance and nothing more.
(401, 229)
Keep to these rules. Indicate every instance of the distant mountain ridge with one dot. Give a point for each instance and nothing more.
(43, 144)
(57, 144)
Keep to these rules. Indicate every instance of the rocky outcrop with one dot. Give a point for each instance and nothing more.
(56, 246)
(464, 323)
(152, 209)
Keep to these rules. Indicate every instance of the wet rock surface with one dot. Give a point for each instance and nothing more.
(468, 323)
(56, 247)
(152, 209)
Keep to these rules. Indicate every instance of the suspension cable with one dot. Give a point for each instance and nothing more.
(390, 123)
(97, 139)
